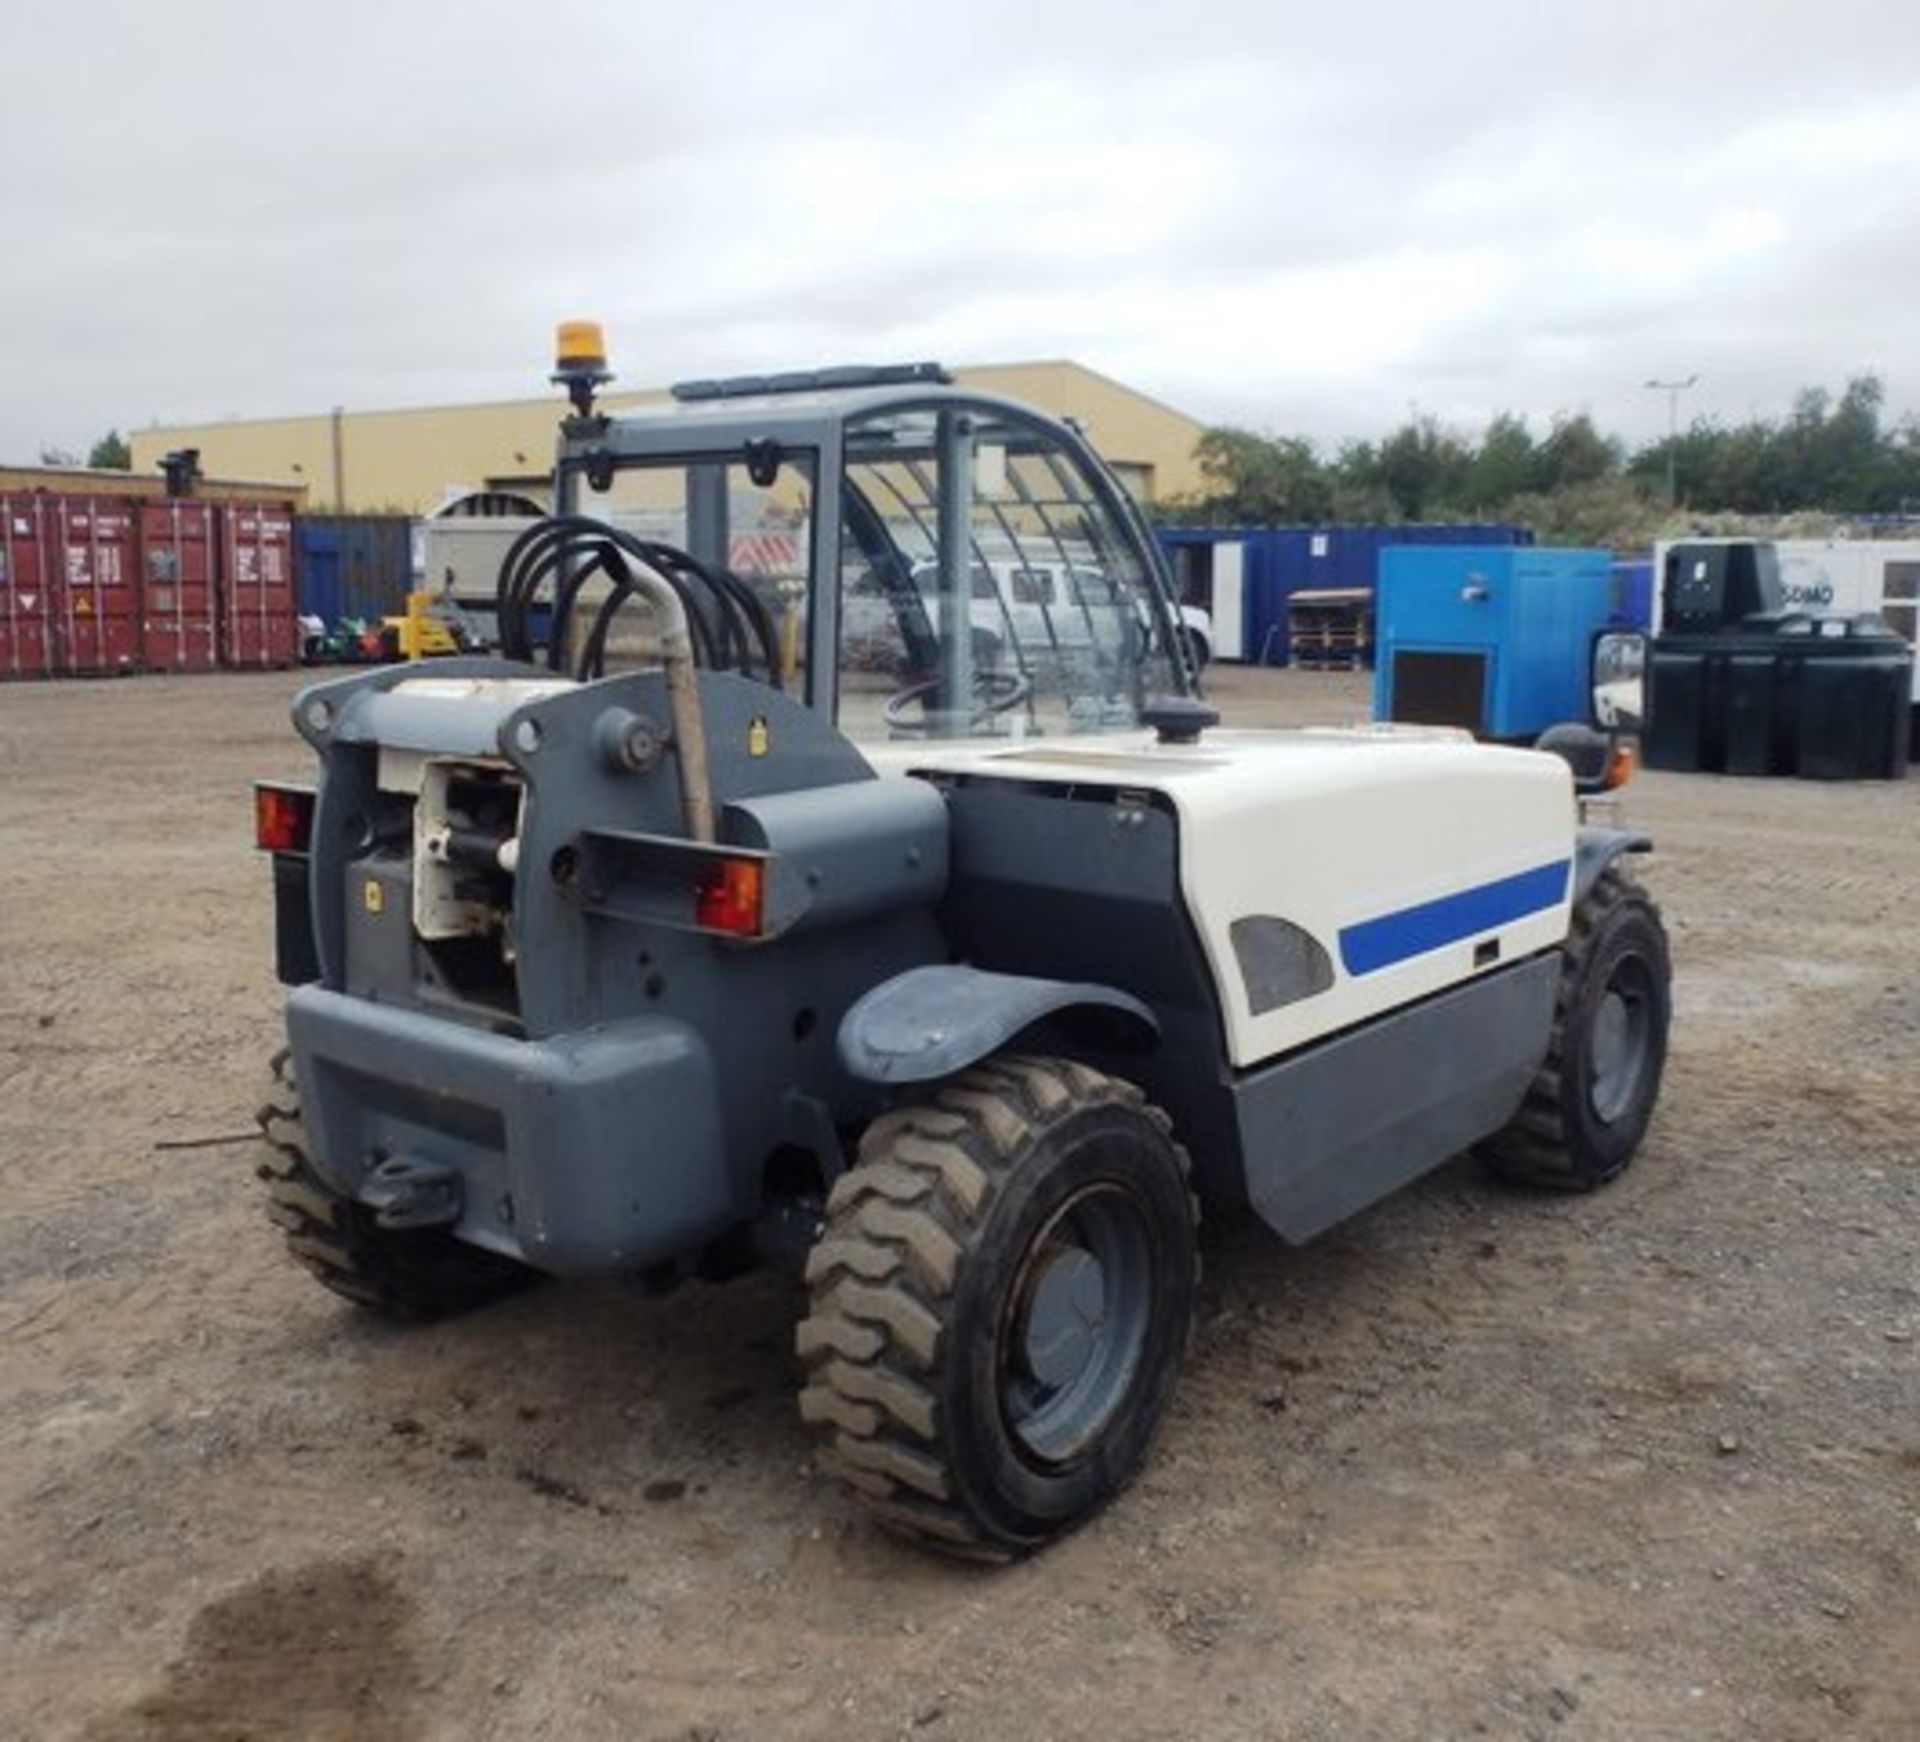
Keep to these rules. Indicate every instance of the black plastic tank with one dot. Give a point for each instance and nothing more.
(1756, 742)
(1685, 726)
(1824, 698)
(1739, 685)
(1855, 681)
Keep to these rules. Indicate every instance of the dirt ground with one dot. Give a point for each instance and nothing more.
(1645, 1465)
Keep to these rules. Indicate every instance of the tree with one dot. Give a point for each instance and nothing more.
(1616, 511)
(1505, 465)
(1424, 468)
(1257, 479)
(1575, 453)
(111, 453)
(1829, 453)
(1834, 454)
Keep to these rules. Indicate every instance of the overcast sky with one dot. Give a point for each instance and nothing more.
(1305, 218)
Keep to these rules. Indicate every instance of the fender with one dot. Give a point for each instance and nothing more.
(1595, 849)
(930, 1022)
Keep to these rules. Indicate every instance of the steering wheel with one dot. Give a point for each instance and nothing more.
(995, 692)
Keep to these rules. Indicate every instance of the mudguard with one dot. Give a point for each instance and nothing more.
(930, 1022)
(1595, 849)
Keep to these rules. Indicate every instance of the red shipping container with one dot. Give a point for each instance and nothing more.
(93, 553)
(257, 610)
(26, 646)
(180, 598)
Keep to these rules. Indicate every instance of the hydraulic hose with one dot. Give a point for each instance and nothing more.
(706, 615)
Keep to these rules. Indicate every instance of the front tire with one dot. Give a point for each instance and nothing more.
(407, 1275)
(1588, 1107)
(1000, 1305)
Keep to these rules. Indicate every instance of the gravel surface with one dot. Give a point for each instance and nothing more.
(1637, 1466)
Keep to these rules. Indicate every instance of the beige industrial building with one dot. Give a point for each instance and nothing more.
(413, 461)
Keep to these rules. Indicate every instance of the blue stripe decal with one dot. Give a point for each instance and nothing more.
(1374, 944)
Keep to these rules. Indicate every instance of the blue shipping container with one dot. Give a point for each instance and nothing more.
(1633, 595)
(352, 565)
(1274, 562)
(1498, 640)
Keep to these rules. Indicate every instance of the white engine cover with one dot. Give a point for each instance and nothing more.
(1415, 860)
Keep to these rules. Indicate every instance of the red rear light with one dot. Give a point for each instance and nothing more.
(729, 897)
(282, 818)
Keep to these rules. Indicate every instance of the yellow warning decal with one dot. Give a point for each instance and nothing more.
(372, 896)
(759, 740)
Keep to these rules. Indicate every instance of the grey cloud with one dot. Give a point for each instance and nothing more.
(1302, 217)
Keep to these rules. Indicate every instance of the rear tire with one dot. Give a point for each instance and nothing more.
(1589, 1105)
(1000, 1305)
(410, 1275)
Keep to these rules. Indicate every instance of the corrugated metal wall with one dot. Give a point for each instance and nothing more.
(353, 565)
(1279, 561)
(1633, 594)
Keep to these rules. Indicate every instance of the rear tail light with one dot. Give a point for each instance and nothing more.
(282, 818)
(730, 897)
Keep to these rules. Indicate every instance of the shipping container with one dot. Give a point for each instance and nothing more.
(1245, 575)
(26, 594)
(1633, 593)
(180, 595)
(93, 546)
(257, 612)
(353, 565)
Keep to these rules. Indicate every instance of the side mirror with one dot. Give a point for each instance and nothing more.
(1620, 681)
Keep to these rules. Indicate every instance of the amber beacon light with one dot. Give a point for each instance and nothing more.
(580, 362)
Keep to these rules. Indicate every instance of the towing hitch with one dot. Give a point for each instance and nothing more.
(404, 1192)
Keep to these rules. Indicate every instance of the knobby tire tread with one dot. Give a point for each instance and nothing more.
(902, 1224)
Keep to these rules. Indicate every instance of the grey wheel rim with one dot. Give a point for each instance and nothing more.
(1076, 1330)
(1620, 1044)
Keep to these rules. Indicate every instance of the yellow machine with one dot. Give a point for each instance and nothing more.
(421, 633)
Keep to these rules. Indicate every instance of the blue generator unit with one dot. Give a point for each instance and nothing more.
(1498, 639)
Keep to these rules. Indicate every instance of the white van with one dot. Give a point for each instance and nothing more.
(1063, 604)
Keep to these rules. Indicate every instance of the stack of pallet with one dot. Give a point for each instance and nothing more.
(1330, 628)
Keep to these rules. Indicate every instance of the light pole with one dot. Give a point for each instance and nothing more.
(1673, 390)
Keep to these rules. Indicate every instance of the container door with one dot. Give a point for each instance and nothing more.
(257, 599)
(26, 648)
(179, 616)
(1229, 601)
(317, 573)
(95, 585)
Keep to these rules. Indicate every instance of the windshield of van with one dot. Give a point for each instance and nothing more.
(989, 586)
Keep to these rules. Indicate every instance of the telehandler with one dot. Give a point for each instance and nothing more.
(955, 975)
